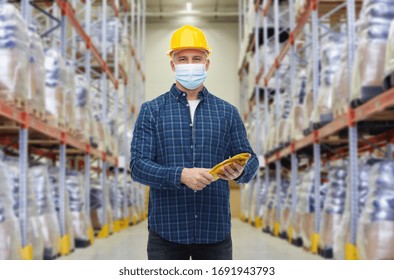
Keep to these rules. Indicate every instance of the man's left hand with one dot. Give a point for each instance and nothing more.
(231, 172)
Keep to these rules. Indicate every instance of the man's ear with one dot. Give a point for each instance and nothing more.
(207, 64)
(172, 65)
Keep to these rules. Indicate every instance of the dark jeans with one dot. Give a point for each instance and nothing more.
(161, 249)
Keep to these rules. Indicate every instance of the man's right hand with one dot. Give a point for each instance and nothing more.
(196, 178)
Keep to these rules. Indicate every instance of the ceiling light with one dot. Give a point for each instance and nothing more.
(188, 6)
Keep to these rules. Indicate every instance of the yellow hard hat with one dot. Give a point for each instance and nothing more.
(188, 37)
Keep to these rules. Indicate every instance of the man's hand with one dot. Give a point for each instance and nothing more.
(230, 172)
(196, 178)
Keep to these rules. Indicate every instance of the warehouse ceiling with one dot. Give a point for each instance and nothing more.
(208, 10)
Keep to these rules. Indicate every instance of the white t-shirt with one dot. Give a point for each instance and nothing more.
(193, 105)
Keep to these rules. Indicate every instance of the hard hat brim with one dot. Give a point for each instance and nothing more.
(170, 52)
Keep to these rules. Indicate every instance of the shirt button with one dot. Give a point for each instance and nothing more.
(191, 124)
(187, 105)
(195, 191)
(195, 216)
(184, 94)
(191, 147)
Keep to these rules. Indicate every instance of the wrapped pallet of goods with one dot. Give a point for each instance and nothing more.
(14, 55)
(296, 118)
(389, 64)
(308, 206)
(34, 233)
(269, 207)
(36, 93)
(10, 235)
(334, 208)
(69, 98)
(370, 58)
(97, 206)
(341, 85)
(55, 84)
(49, 224)
(80, 222)
(343, 237)
(275, 222)
(331, 51)
(55, 192)
(376, 225)
(81, 104)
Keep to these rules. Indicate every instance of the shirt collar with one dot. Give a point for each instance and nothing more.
(180, 95)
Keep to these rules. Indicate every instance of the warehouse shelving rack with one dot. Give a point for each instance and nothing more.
(321, 138)
(23, 131)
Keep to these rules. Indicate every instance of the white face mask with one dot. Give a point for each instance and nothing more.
(190, 75)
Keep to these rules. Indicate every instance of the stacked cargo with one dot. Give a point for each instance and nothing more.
(97, 204)
(36, 92)
(10, 242)
(331, 51)
(55, 85)
(47, 216)
(34, 233)
(14, 55)
(374, 25)
(343, 235)
(82, 110)
(334, 208)
(54, 175)
(376, 227)
(80, 222)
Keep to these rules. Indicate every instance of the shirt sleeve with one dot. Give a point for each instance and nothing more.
(143, 167)
(240, 144)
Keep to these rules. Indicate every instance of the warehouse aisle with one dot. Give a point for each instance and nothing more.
(248, 243)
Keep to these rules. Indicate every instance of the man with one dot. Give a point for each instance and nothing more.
(177, 138)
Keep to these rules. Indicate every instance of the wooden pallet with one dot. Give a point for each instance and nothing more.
(72, 131)
(51, 120)
(41, 115)
(17, 102)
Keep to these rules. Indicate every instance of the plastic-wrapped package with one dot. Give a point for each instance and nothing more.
(308, 100)
(38, 178)
(389, 65)
(285, 184)
(55, 83)
(376, 225)
(80, 222)
(14, 54)
(334, 208)
(96, 206)
(268, 211)
(36, 94)
(306, 206)
(34, 231)
(96, 34)
(10, 241)
(54, 189)
(283, 137)
(119, 213)
(370, 57)
(81, 104)
(331, 52)
(341, 87)
(69, 96)
(93, 130)
(343, 237)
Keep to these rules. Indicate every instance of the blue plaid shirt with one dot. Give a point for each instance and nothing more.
(165, 141)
